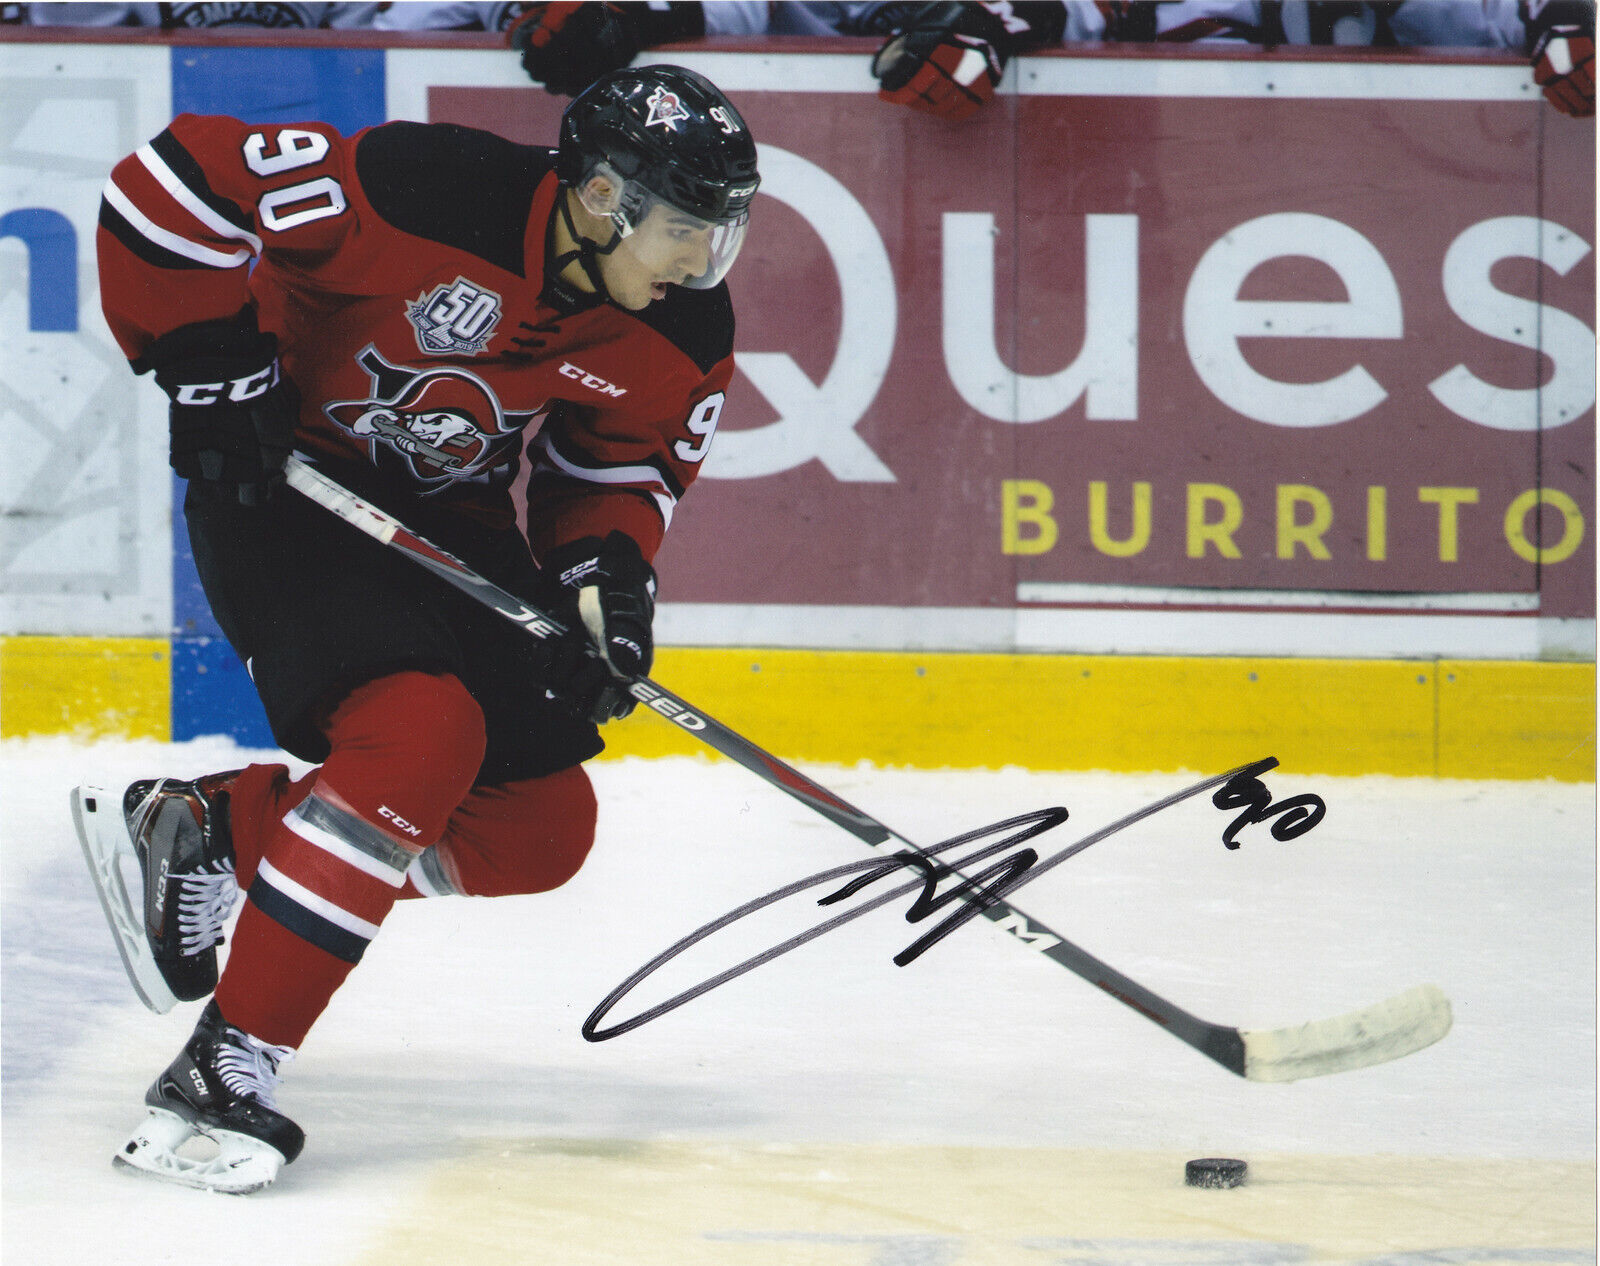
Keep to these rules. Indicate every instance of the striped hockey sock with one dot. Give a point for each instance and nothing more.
(406, 750)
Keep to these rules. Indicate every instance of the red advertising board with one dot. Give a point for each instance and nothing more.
(1201, 348)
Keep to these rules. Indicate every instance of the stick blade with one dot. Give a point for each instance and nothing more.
(1385, 1031)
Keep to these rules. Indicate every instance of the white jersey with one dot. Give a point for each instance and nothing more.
(1084, 20)
(1413, 23)
(268, 13)
(447, 17)
(1208, 21)
(1168, 21)
(723, 17)
(276, 14)
(91, 14)
(740, 17)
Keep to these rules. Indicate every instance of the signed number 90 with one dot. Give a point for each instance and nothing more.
(1295, 816)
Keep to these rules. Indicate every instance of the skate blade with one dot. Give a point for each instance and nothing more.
(171, 1149)
(97, 815)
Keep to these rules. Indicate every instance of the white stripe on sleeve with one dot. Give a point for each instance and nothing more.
(665, 501)
(190, 201)
(171, 241)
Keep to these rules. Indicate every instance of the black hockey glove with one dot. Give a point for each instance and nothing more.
(605, 592)
(947, 58)
(566, 47)
(233, 413)
(1561, 46)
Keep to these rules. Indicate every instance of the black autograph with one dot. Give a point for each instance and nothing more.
(1239, 788)
(1296, 815)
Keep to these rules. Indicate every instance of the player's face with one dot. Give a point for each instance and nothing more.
(668, 248)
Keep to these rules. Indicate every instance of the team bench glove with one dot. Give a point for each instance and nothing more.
(945, 61)
(1563, 66)
(1561, 46)
(947, 58)
(566, 47)
(233, 412)
(606, 591)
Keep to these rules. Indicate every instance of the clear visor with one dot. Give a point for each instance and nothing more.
(677, 247)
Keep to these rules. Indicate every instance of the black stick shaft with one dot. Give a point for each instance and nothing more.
(1217, 1042)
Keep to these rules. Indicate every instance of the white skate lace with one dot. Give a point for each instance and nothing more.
(249, 1067)
(204, 904)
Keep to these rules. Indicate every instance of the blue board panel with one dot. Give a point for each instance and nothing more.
(343, 87)
(52, 246)
(211, 694)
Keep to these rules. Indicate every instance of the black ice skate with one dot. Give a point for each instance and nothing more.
(178, 836)
(214, 1121)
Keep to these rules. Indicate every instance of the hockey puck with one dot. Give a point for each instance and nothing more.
(1214, 1171)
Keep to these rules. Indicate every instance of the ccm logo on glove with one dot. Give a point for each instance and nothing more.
(606, 593)
(233, 414)
(237, 391)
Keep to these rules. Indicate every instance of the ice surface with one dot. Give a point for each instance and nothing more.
(980, 1104)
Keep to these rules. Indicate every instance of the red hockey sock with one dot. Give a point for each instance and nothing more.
(519, 837)
(405, 751)
(258, 799)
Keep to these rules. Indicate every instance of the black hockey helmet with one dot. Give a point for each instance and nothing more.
(663, 133)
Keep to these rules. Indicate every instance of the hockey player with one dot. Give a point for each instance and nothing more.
(412, 309)
(268, 14)
(1557, 36)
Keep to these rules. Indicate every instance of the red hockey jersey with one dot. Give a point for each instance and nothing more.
(403, 271)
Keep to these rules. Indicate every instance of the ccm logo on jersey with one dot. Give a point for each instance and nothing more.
(592, 381)
(384, 811)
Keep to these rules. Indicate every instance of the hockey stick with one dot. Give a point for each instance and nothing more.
(1385, 1031)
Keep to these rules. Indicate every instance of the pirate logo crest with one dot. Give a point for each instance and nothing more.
(445, 424)
(665, 109)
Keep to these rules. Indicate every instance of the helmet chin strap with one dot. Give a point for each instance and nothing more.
(586, 254)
